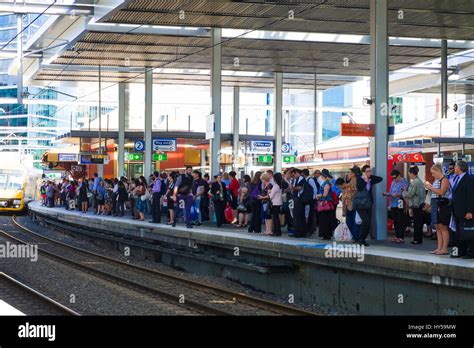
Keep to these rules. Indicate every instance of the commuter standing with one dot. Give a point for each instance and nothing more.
(397, 204)
(95, 187)
(199, 190)
(327, 222)
(183, 193)
(122, 196)
(219, 193)
(365, 200)
(416, 195)
(156, 197)
(441, 188)
(276, 199)
(348, 191)
(234, 193)
(463, 210)
(300, 199)
(311, 207)
(256, 204)
(83, 197)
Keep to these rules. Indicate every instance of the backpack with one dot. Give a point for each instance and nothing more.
(335, 198)
(163, 188)
(43, 190)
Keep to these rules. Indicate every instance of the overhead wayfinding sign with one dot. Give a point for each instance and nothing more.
(164, 144)
(94, 159)
(357, 130)
(67, 157)
(261, 146)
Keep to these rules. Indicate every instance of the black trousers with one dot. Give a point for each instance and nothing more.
(399, 221)
(299, 218)
(311, 225)
(219, 208)
(464, 247)
(418, 225)
(326, 224)
(276, 220)
(365, 226)
(256, 220)
(120, 207)
(204, 206)
(156, 207)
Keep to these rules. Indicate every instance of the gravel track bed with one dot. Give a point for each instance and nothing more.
(211, 280)
(93, 295)
(209, 298)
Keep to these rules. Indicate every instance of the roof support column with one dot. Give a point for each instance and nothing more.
(316, 137)
(101, 150)
(379, 109)
(19, 47)
(444, 79)
(278, 120)
(122, 111)
(216, 98)
(469, 116)
(236, 125)
(148, 122)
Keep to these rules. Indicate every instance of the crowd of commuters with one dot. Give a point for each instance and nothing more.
(301, 201)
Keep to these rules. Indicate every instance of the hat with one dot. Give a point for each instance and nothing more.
(325, 173)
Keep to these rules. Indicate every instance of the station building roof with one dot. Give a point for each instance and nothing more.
(322, 36)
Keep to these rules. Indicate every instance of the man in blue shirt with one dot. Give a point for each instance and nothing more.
(156, 198)
(95, 187)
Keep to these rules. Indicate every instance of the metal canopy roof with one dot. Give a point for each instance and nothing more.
(441, 19)
(187, 79)
(451, 19)
(184, 52)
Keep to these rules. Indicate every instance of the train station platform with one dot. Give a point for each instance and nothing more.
(380, 279)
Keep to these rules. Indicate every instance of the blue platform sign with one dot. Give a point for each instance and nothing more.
(139, 145)
(286, 149)
(164, 144)
(261, 146)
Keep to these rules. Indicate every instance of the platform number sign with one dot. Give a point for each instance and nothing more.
(286, 148)
(139, 145)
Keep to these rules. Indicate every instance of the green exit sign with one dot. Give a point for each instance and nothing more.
(135, 157)
(265, 158)
(160, 157)
(289, 159)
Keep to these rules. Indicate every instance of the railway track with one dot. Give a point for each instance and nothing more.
(216, 300)
(29, 300)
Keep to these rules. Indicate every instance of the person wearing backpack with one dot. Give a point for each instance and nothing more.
(363, 201)
(183, 192)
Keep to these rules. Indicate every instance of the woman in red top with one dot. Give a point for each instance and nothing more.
(234, 187)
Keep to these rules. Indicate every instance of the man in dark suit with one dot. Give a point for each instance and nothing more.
(463, 209)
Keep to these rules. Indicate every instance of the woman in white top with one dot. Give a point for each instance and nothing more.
(277, 200)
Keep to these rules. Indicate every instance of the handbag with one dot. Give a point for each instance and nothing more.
(325, 206)
(361, 200)
(358, 219)
(467, 230)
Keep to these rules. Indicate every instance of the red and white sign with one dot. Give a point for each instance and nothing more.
(408, 157)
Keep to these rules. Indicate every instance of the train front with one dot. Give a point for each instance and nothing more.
(12, 188)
